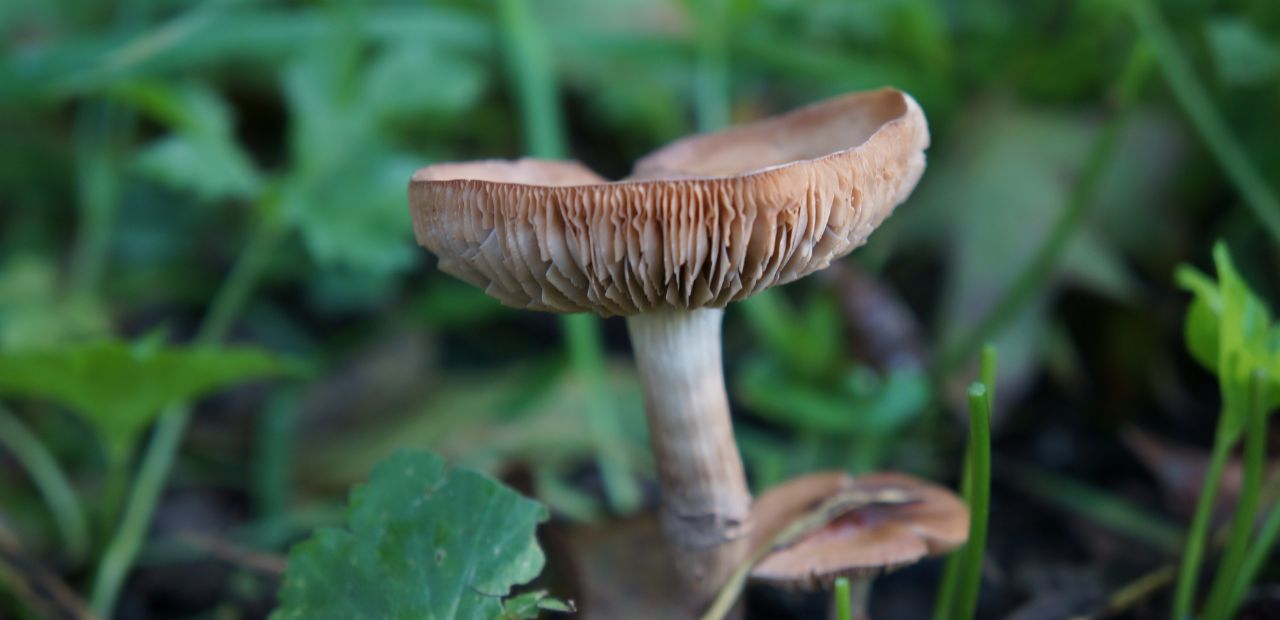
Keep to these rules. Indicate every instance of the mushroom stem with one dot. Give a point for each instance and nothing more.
(705, 502)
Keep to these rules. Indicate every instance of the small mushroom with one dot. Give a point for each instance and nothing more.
(863, 542)
(707, 220)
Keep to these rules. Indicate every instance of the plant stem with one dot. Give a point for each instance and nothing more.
(237, 288)
(945, 603)
(115, 484)
(529, 64)
(1259, 552)
(1036, 272)
(100, 126)
(158, 459)
(1204, 115)
(974, 551)
(860, 598)
(1222, 600)
(987, 371)
(50, 480)
(1193, 550)
(528, 59)
(844, 600)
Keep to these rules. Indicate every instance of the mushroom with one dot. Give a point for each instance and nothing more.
(861, 543)
(707, 220)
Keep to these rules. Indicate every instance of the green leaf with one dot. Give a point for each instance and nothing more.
(119, 389)
(201, 155)
(1229, 330)
(802, 338)
(415, 79)
(421, 542)
(865, 404)
(346, 194)
(1242, 55)
(1201, 329)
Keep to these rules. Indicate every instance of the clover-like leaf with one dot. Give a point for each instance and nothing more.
(421, 541)
(119, 388)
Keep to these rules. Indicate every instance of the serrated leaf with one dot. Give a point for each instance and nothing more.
(119, 389)
(212, 168)
(421, 541)
(417, 79)
(346, 195)
(202, 154)
(354, 216)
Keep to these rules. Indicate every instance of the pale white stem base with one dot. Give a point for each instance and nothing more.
(706, 505)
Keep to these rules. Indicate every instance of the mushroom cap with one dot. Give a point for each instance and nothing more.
(865, 541)
(707, 220)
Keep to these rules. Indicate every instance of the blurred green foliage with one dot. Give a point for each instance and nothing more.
(149, 147)
(119, 389)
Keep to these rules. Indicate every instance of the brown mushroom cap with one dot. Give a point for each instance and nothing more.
(865, 541)
(707, 220)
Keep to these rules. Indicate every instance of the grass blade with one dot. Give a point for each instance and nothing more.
(1037, 271)
(1205, 117)
(945, 604)
(1222, 596)
(50, 480)
(969, 577)
(1193, 550)
(1115, 513)
(844, 600)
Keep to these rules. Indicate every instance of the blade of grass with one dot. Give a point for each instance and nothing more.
(50, 480)
(529, 64)
(987, 371)
(969, 579)
(1205, 117)
(1193, 550)
(945, 603)
(1036, 272)
(711, 86)
(101, 127)
(844, 600)
(1112, 512)
(1259, 552)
